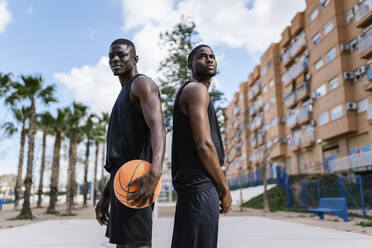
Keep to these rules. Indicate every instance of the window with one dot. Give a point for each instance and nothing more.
(336, 112)
(319, 64)
(271, 83)
(363, 105)
(274, 122)
(328, 27)
(270, 64)
(349, 16)
(324, 3)
(263, 70)
(265, 89)
(331, 55)
(272, 101)
(266, 107)
(334, 83)
(314, 14)
(323, 118)
(322, 90)
(316, 39)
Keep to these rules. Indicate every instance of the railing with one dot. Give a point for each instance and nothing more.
(292, 118)
(255, 89)
(290, 99)
(305, 112)
(288, 54)
(308, 134)
(295, 69)
(303, 89)
(369, 112)
(350, 162)
(365, 41)
(362, 9)
(253, 141)
(301, 41)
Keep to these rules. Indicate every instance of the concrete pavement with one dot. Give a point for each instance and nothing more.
(235, 232)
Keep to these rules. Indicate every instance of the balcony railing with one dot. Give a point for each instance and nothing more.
(305, 113)
(351, 162)
(303, 90)
(363, 9)
(365, 41)
(292, 119)
(290, 99)
(295, 69)
(299, 43)
(369, 113)
(288, 54)
(308, 134)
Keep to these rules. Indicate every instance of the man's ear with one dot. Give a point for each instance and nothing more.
(189, 65)
(136, 60)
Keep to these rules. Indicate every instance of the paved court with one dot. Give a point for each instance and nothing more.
(235, 232)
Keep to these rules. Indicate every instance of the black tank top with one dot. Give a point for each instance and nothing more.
(188, 172)
(128, 136)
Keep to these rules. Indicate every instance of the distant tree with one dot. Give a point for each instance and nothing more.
(59, 126)
(44, 124)
(173, 69)
(32, 90)
(21, 116)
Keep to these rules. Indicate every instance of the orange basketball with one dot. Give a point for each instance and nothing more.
(127, 173)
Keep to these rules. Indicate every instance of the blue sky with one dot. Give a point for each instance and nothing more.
(67, 42)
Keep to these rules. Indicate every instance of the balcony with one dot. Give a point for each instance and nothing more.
(305, 114)
(298, 23)
(303, 91)
(292, 120)
(354, 162)
(299, 45)
(296, 70)
(256, 72)
(308, 136)
(287, 57)
(286, 36)
(295, 142)
(363, 14)
(365, 43)
(290, 100)
(369, 113)
(253, 141)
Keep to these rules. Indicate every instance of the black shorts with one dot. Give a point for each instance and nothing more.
(196, 220)
(128, 226)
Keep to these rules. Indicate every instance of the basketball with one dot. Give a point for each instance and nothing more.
(126, 174)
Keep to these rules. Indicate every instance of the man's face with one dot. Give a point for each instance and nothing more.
(204, 62)
(122, 59)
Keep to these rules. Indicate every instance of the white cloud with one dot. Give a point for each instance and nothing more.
(219, 22)
(93, 85)
(5, 15)
(30, 10)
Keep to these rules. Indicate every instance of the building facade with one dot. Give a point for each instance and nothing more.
(310, 99)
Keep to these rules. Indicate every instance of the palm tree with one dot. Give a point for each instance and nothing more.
(104, 122)
(21, 115)
(74, 118)
(30, 89)
(99, 137)
(59, 126)
(45, 125)
(88, 131)
(5, 82)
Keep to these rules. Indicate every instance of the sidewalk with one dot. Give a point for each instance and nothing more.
(235, 232)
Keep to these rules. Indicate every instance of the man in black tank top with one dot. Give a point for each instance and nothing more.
(135, 131)
(197, 157)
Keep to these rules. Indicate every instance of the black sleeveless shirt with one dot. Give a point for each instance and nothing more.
(128, 136)
(188, 172)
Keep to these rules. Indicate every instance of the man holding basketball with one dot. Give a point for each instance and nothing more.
(135, 131)
(197, 157)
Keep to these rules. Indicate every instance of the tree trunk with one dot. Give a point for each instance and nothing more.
(86, 166)
(42, 168)
(71, 183)
(55, 174)
(18, 186)
(103, 158)
(95, 174)
(266, 206)
(26, 209)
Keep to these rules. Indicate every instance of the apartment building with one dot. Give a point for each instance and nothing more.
(309, 102)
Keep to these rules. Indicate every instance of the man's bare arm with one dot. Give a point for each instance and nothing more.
(194, 100)
(148, 94)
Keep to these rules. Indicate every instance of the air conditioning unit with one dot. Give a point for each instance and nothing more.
(307, 77)
(357, 75)
(314, 95)
(349, 76)
(344, 47)
(312, 123)
(283, 141)
(282, 119)
(362, 69)
(306, 53)
(351, 106)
